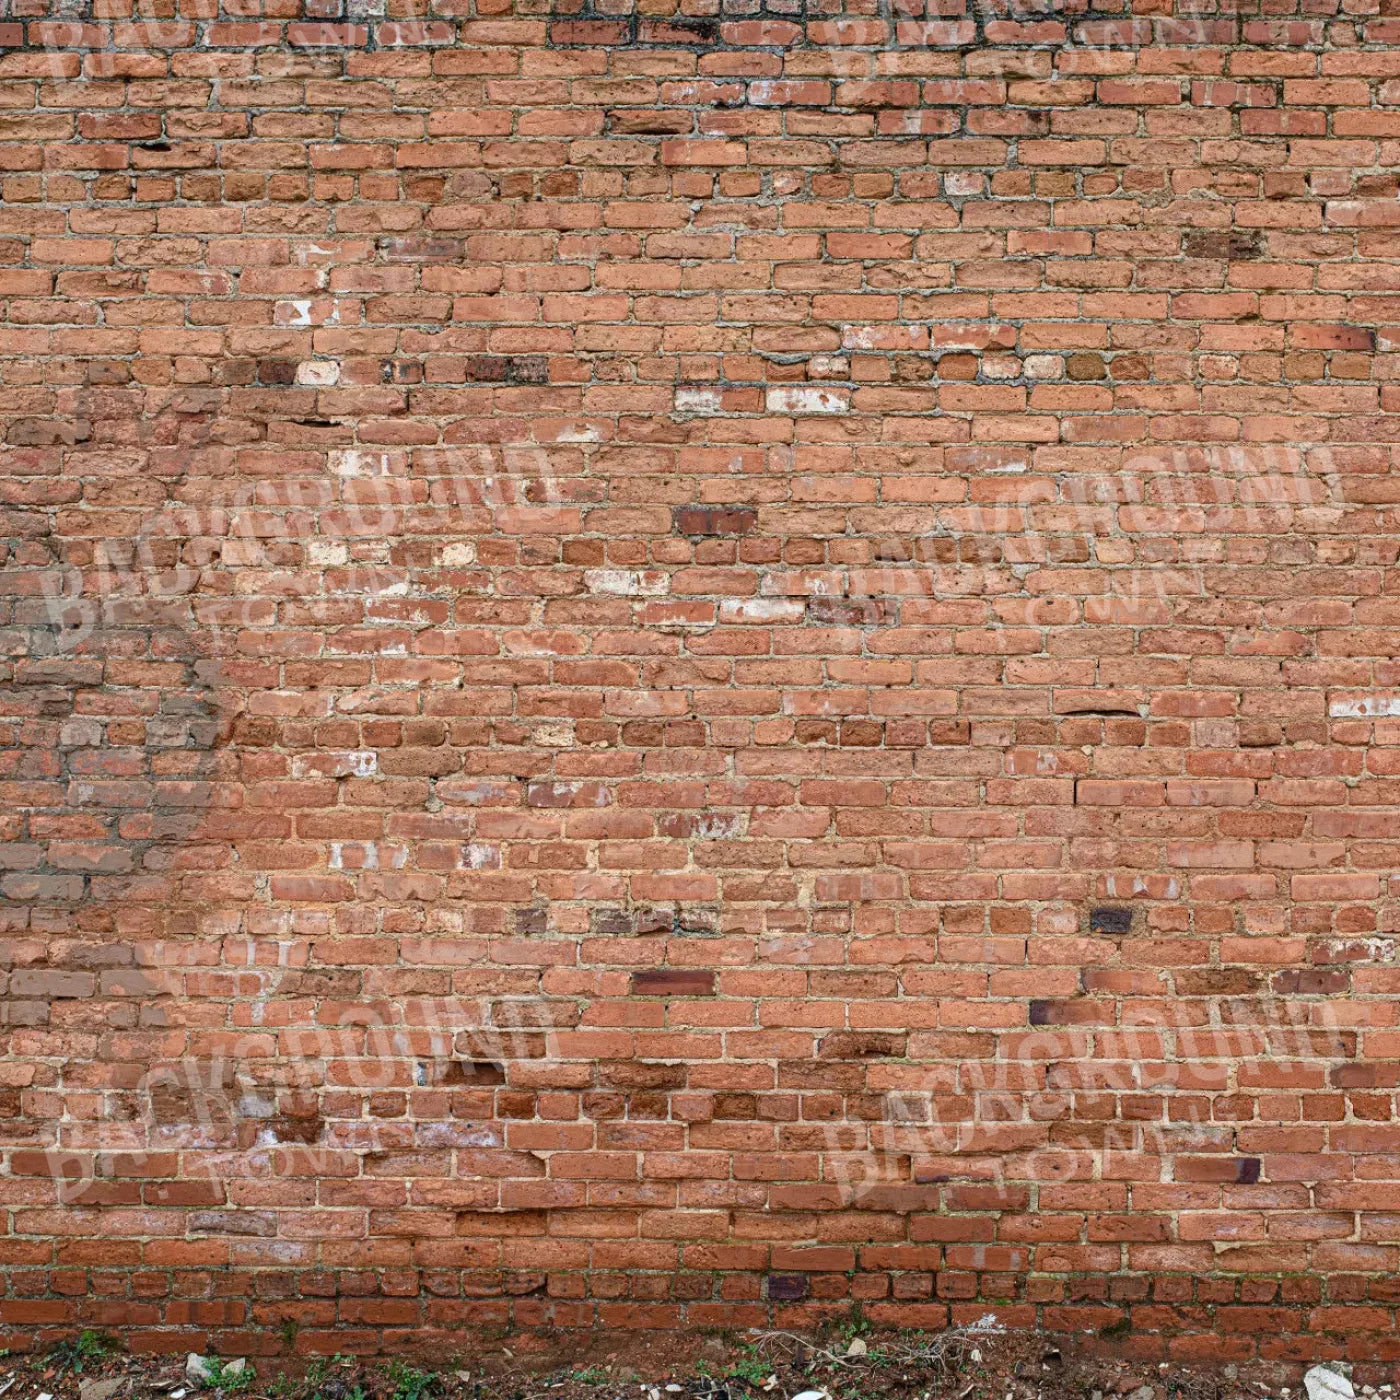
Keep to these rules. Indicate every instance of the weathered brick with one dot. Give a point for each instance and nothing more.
(636, 643)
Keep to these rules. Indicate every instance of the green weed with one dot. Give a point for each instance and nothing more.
(219, 1377)
(88, 1348)
(410, 1383)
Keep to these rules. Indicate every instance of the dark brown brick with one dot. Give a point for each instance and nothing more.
(673, 982)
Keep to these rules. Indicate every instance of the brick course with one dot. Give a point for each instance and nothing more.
(701, 664)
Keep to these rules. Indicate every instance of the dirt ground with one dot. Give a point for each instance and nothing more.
(977, 1363)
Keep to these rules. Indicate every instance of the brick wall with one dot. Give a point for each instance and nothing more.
(689, 666)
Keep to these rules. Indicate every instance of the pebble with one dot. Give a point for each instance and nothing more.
(1325, 1383)
(100, 1389)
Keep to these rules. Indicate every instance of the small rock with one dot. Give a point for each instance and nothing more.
(675, 1389)
(198, 1369)
(100, 1390)
(857, 1347)
(1326, 1382)
(1143, 1392)
(811, 1395)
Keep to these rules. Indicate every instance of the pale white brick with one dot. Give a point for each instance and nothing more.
(327, 552)
(1378, 706)
(319, 374)
(629, 583)
(801, 399)
(693, 400)
(1044, 367)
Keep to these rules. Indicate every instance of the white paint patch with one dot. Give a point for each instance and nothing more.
(319, 374)
(761, 610)
(1381, 950)
(324, 552)
(628, 583)
(354, 763)
(457, 554)
(1135, 885)
(352, 462)
(1365, 707)
(974, 339)
(804, 400)
(881, 337)
(367, 855)
(481, 792)
(448, 1134)
(1001, 367)
(555, 736)
(563, 792)
(702, 401)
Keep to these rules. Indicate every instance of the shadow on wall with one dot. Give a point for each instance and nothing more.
(119, 800)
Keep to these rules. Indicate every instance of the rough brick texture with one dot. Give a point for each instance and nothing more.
(698, 666)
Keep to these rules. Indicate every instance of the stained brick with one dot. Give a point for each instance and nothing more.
(673, 982)
(715, 520)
